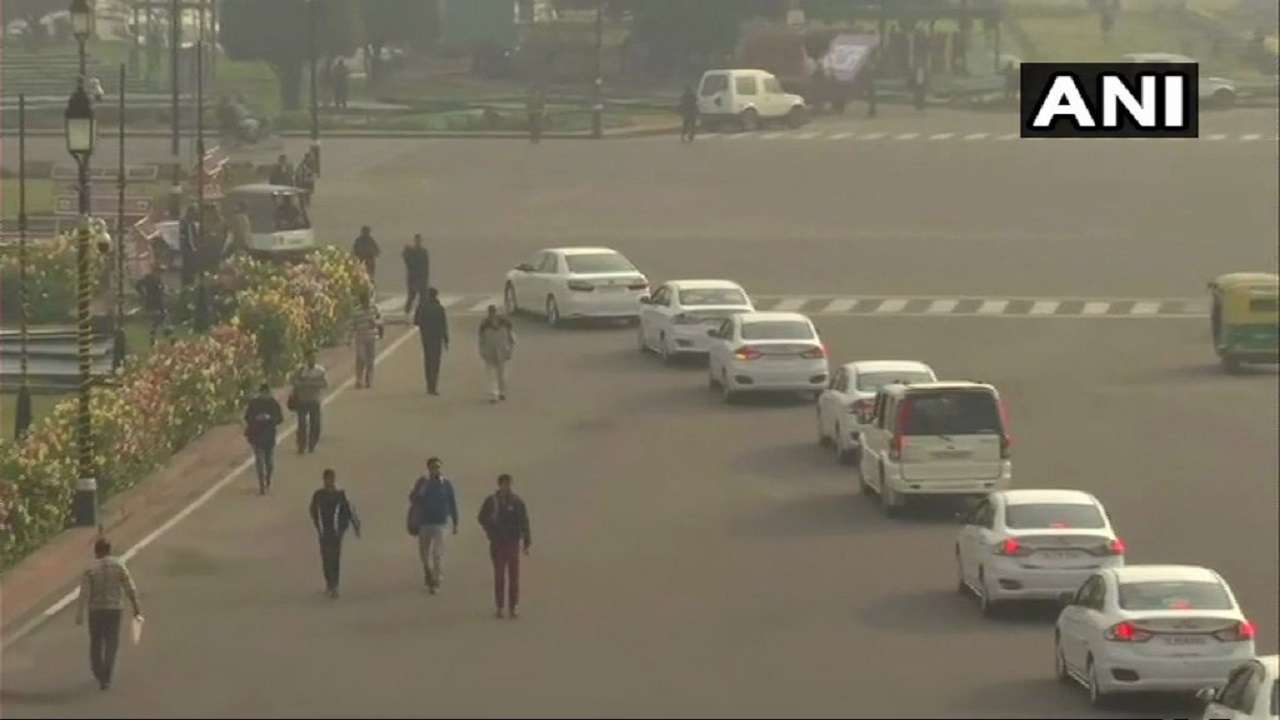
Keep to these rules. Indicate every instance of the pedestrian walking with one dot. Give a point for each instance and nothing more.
(366, 329)
(366, 250)
(432, 507)
(189, 245)
(332, 514)
(282, 172)
(433, 331)
(261, 418)
(103, 589)
(505, 520)
(341, 84)
(497, 343)
(305, 177)
(309, 382)
(1011, 80)
(537, 107)
(417, 269)
(241, 231)
(688, 115)
(151, 291)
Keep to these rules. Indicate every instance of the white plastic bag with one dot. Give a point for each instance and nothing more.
(136, 629)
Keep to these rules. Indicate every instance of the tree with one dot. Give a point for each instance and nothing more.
(411, 23)
(676, 29)
(276, 33)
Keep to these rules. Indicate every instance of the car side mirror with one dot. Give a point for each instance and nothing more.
(713, 333)
(1206, 695)
(646, 300)
(524, 267)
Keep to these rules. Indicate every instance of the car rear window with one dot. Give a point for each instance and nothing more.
(963, 412)
(599, 263)
(1174, 595)
(1053, 515)
(712, 296)
(872, 382)
(776, 330)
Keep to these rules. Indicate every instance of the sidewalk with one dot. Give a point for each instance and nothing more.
(29, 591)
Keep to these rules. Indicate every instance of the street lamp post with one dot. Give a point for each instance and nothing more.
(315, 97)
(81, 26)
(200, 139)
(118, 344)
(597, 94)
(175, 149)
(80, 136)
(22, 413)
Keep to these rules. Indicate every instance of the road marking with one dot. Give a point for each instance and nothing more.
(975, 136)
(993, 307)
(772, 135)
(789, 305)
(1145, 308)
(807, 136)
(839, 306)
(1217, 136)
(892, 306)
(907, 136)
(196, 504)
(942, 306)
(1095, 308)
(1008, 136)
(871, 136)
(1044, 307)
(840, 136)
(448, 300)
(738, 136)
(1250, 137)
(484, 304)
(942, 136)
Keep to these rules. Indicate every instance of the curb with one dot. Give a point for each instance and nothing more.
(400, 135)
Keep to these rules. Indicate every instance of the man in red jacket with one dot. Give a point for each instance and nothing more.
(506, 522)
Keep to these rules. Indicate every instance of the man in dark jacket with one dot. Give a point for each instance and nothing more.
(433, 331)
(432, 506)
(281, 172)
(189, 245)
(261, 418)
(417, 268)
(151, 291)
(366, 250)
(689, 114)
(506, 522)
(331, 514)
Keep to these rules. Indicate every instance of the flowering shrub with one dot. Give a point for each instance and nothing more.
(51, 277)
(159, 405)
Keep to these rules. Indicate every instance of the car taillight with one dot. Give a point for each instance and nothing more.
(1006, 447)
(1116, 547)
(814, 353)
(899, 441)
(580, 286)
(1126, 632)
(1011, 547)
(747, 352)
(1242, 631)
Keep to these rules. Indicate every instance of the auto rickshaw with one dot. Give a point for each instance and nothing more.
(1246, 318)
(279, 225)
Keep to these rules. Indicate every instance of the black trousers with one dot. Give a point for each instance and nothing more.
(432, 350)
(331, 559)
(416, 289)
(308, 425)
(690, 128)
(104, 641)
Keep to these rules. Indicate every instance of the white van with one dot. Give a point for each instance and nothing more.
(942, 438)
(747, 99)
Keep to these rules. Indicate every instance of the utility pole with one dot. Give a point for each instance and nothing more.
(597, 95)
(315, 96)
(118, 346)
(175, 148)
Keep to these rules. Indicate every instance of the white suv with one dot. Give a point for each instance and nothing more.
(943, 438)
(747, 98)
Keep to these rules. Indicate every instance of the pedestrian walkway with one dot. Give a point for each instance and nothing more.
(908, 306)
(837, 135)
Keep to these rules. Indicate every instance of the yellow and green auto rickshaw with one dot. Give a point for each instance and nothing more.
(1246, 318)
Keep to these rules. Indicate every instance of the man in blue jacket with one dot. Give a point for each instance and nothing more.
(432, 506)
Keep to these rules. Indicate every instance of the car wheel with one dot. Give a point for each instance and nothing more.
(961, 586)
(1224, 98)
(726, 392)
(1060, 662)
(823, 440)
(1230, 364)
(888, 498)
(749, 120)
(985, 603)
(509, 303)
(796, 117)
(553, 312)
(1097, 697)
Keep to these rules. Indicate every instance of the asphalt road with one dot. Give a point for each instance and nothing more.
(692, 558)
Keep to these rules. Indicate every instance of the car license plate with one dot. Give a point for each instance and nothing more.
(1183, 640)
(1059, 554)
(952, 454)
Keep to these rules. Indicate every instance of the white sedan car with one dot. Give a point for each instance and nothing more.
(1151, 628)
(576, 282)
(766, 352)
(852, 394)
(1251, 693)
(1034, 545)
(676, 318)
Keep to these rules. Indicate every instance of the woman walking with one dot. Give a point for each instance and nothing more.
(497, 343)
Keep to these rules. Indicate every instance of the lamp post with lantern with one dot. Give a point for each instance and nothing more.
(81, 132)
(81, 27)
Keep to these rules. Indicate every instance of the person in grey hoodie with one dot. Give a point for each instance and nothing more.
(497, 343)
(309, 384)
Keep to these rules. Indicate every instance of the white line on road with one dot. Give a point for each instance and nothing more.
(871, 136)
(806, 136)
(975, 136)
(942, 306)
(892, 306)
(1095, 308)
(1250, 137)
(196, 504)
(789, 305)
(447, 300)
(1145, 308)
(1217, 136)
(1008, 136)
(942, 136)
(907, 136)
(993, 307)
(772, 135)
(840, 136)
(738, 136)
(483, 305)
(1044, 307)
(839, 306)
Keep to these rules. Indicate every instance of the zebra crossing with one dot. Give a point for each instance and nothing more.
(907, 306)
(835, 136)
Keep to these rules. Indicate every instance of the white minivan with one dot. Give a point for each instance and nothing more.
(747, 99)
(941, 438)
